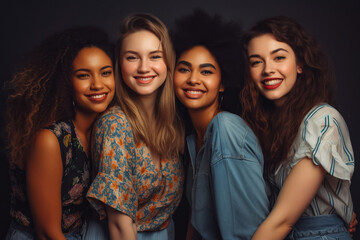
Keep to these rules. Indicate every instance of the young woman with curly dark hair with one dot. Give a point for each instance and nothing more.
(225, 185)
(54, 101)
(305, 141)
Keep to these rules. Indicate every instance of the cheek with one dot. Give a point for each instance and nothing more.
(160, 68)
(126, 71)
(79, 86)
(179, 79)
(254, 74)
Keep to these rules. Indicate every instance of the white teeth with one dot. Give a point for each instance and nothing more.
(272, 82)
(144, 79)
(194, 92)
(98, 96)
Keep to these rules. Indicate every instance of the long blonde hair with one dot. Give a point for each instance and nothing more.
(168, 136)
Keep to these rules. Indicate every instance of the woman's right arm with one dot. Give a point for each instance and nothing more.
(121, 226)
(43, 181)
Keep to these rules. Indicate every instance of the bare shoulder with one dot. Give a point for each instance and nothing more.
(45, 151)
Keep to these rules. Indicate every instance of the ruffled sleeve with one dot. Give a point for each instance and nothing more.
(113, 151)
(324, 137)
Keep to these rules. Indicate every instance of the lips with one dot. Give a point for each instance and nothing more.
(272, 83)
(99, 97)
(144, 79)
(194, 93)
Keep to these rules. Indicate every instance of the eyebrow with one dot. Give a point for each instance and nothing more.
(185, 63)
(272, 52)
(134, 52)
(279, 49)
(207, 65)
(203, 65)
(87, 70)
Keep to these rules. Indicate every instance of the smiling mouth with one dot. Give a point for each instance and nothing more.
(97, 97)
(144, 79)
(193, 93)
(272, 83)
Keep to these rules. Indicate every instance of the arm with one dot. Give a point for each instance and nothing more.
(296, 194)
(121, 226)
(43, 181)
(240, 197)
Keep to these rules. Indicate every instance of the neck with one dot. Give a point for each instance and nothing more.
(148, 105)
(201, 120)
(83, 123)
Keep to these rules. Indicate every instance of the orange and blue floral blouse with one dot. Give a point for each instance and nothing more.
(127, 180)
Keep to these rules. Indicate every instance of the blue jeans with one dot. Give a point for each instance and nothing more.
(165, 234)
(98, 230)
(19, 232)
(92, 229)
(323, 227)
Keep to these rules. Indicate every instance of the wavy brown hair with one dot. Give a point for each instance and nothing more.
(168, 137)
(275, 127)
(41, 92)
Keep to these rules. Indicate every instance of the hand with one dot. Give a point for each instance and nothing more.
(352, 226)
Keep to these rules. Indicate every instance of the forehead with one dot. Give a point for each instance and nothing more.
(91, 56)
(142, 40)
(198, 55)
(265, 44)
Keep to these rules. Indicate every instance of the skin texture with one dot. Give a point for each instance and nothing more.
(197, 82)
(142, 64)
(272, 63)
(304, 178)
(273, 60)
(93, 80)
(92, 75)
(144, 71)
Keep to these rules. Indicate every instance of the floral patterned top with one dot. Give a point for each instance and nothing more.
(127, 180)
(75, 182)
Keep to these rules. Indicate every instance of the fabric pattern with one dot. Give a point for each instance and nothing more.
(324, 137)
(225, 185)
(127, 180)
(75, 182)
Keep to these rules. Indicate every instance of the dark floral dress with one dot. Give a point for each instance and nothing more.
(75, 182)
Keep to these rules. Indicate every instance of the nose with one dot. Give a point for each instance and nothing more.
(97, 83)
(268, 68)
(193, 79)
(143, 66)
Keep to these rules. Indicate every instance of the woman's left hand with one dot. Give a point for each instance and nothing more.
(352, 226)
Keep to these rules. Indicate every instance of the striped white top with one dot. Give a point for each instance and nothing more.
(324, 137)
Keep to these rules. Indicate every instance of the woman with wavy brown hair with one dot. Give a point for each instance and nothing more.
(305, 141)
(53, 103)
(137, 143)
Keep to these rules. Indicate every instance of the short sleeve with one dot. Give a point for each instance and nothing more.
(113, 151)
(324, 137)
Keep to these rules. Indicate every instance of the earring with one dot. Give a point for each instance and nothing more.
(221, 95)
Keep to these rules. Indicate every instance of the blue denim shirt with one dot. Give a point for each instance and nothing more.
(225, 186)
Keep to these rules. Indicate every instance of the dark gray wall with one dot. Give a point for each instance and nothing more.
(335, 23)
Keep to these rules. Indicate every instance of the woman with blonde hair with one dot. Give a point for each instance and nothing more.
(137, 142)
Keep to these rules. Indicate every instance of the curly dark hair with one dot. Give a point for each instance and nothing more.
(277, 128)
(222, 39)
(41, 92)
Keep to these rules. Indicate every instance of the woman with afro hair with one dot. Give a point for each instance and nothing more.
(225, 185)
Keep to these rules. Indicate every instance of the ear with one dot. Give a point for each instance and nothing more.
(222, 88)
(299, 69)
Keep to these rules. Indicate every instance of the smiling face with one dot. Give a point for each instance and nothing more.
(273, 67)
(93, 80)
(142, 63)
(197, 79)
